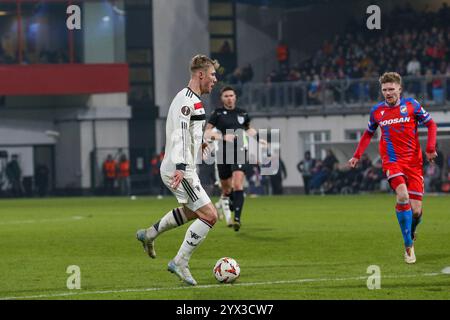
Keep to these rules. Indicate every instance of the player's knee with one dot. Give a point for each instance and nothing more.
(402, 197)
(416, 212)
(211, 215)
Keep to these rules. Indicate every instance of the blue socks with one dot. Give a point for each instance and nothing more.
(404, 217)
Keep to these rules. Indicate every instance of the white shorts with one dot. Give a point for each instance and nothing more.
(189, 192)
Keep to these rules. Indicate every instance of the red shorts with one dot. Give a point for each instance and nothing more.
(413, 176)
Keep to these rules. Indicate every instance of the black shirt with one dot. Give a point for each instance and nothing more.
(235, 119)
(223, 119)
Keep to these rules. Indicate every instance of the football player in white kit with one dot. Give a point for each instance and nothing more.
(184, 147)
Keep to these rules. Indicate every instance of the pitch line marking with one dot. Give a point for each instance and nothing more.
(41, 220)
(249, 284)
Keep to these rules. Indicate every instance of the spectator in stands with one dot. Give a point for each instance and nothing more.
(294, 75)
(352, 181)
(235, 78)
(413, 66)
(330, 160)
(444, 13)
(314, 90)
(306, 167)
(335, 181)
(437, 90)
(283, 54)
(372, 176)
(412, 42)
(365, 162)
(247, 73)
(319, 176)
(429, 83)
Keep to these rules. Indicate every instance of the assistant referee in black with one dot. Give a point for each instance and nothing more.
(231, 174)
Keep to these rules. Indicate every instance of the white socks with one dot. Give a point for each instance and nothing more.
(172, 219)
(225, 203)
(195, 235)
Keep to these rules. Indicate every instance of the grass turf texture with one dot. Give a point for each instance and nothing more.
(290, 247)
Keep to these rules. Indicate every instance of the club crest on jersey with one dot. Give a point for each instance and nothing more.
(185, 110)
(403, 110)
(240, 119)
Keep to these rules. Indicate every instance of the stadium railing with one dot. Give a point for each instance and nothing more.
(335, 96)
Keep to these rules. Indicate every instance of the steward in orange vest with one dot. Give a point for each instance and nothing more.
(109, 173)
(124, 168)
(124, 175)
(283, 54)
(109, 167)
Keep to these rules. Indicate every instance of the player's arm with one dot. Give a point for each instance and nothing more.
(424, 117)
(211, 134)
(180, 142)
(364, 142)
(430, 151)
(251, 132)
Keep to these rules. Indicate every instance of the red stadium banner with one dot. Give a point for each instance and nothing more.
(61, 79)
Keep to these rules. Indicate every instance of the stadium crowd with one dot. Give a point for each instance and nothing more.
(328, 176)
(410, 42)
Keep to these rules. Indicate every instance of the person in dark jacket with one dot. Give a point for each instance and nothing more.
(305, 167)
(14, 175)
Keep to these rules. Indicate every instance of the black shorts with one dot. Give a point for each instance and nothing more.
(226, 170)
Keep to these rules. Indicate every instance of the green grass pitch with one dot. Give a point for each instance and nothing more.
(290, 247)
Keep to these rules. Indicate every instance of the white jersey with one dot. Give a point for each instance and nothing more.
(184, 132)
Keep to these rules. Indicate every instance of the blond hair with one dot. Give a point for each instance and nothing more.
(390, 77)
(202, 62)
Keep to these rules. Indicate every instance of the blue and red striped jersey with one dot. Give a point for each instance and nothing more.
(399, 135)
